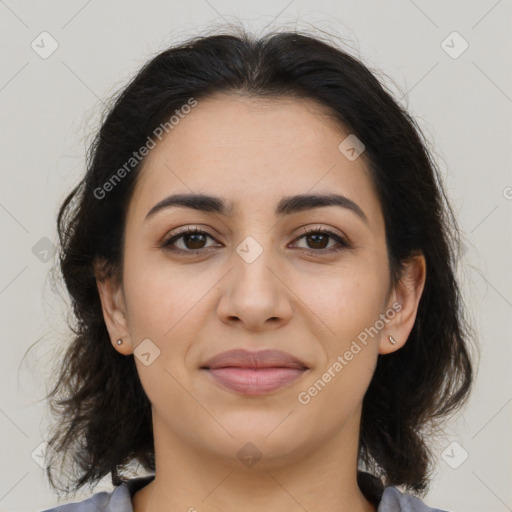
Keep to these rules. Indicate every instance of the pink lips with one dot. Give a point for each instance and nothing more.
(254, 373)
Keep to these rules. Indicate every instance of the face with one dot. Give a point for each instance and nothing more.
(312, 282)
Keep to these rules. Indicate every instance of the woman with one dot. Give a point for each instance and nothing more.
(261, 262)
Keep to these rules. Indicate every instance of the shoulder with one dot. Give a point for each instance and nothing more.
(117, 500)
(393, 500)
(98, 502)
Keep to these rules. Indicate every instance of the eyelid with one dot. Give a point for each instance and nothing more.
(165, 243)
(342, 241)
(319, 227)
(341, 238)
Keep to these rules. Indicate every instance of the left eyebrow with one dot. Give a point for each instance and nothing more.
(286, 206)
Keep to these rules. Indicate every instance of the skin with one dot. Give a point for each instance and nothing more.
(253, 152)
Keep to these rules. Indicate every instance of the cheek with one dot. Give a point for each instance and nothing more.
(158, 293)
(163, 308)
(349, 307)
(344, 300)
(168, 305)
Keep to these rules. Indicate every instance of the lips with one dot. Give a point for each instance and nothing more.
(262, 359)
(254, 373)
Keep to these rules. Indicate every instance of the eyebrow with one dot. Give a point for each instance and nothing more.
(286, 206)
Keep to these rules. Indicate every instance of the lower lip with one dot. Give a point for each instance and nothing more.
(251, 381)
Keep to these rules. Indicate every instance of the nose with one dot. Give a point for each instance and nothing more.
(254, 293)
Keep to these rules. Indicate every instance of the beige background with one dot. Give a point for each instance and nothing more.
(50, 108)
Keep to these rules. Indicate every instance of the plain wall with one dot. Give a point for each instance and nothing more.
(50, 107)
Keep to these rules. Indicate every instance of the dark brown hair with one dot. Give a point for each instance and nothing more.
(104, 416)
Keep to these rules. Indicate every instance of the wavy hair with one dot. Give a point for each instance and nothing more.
(103, 414)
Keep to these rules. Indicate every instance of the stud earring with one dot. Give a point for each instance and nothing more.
(119, 341)
(392, 340)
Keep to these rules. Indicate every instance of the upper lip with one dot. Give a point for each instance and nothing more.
(242, 358)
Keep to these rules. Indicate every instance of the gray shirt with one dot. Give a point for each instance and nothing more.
(120, 500)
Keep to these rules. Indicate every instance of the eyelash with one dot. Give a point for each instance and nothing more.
(343, 243)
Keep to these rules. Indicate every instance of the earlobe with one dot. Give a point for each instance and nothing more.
(407, 294)
(392, 340)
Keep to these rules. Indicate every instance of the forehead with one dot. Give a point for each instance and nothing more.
(253, 152)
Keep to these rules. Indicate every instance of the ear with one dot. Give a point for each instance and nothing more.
(406, 296)
(114, 309)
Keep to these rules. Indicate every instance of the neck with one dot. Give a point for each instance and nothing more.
(319, 478)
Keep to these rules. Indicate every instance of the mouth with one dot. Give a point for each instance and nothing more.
(255, 373)
(255, 381)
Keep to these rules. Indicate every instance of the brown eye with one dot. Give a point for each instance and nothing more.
(193, 241)
(318, 240)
